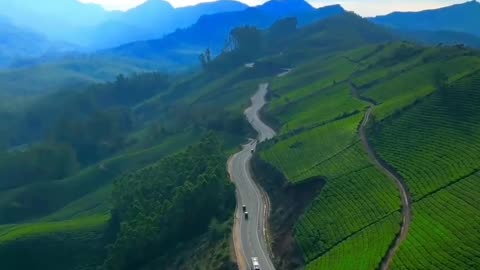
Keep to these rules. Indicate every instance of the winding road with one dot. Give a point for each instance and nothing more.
(250, 234)
(393, 175)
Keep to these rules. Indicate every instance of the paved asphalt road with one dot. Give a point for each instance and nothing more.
(251, 233)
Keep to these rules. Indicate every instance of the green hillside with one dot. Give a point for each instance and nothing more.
(78, 242)
(433, 146)
(357, 199)
(168, 200)
(424, 128)
(119, 174)
(357, 252)
(114, 129)
(55, 75)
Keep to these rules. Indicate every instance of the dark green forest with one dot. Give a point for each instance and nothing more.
(169, 203)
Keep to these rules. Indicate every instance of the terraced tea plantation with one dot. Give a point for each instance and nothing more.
(296, 155)
(358, 252)
(435, 147)
(436, 142)
(426, 127)
(444, 233)
(347, 206)
(317, 109)
(79, 241)
(320, 139)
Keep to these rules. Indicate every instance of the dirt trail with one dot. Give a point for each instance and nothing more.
(394, 176)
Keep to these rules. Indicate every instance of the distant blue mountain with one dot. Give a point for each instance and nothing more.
(457, 18)
(18, 43)
(284, 8)
(56, 19)
(154, 19)
(212, 31)
(93, 27)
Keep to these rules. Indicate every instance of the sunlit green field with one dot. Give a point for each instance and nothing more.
(444, 233)
(347, 205)
(434, 146)
(434, 143)
(54, 245)
(319, 139)
(424, 128)
(84, 191)
(296, 155)
(364, 250)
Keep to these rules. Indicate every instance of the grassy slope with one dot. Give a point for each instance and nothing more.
(321, 141)
(72, 233)
(358, 250)
(396, 84)
(434, 146)
(435, 242)
(297, 155)
(63, 244)
(86, 194)
(65, 75)
(73, 194)
(315, 143)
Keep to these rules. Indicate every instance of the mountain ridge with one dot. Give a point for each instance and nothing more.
(17, 43)
(218, 27)
(81, 24)
(457, 18)
(143, 22)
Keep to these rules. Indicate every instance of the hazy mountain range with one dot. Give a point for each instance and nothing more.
(93, 27)
(211, 31)
(17, 44)
(34, 33)
(457, 18)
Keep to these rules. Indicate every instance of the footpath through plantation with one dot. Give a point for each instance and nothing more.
(396, 144)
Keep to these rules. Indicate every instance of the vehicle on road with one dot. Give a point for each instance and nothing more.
(255, 264)
(253, 150)
(244, 207)
(246, 215)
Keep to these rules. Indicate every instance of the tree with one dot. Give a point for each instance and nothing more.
(245, 42)
(205, 58)
(281, 30)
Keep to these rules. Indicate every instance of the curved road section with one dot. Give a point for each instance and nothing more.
(250, 233)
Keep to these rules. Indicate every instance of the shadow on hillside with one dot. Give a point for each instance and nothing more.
(288, 202)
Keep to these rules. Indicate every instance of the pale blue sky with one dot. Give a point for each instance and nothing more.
(362, 7)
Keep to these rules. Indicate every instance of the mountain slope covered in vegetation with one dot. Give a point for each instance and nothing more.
(461, 18)
(319, 120)
(143, 180)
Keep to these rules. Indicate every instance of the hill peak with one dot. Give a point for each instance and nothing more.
(469, 4)
(286, 6)
(155, 4)
(338, 6)
(457, 18)
(218, 3)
